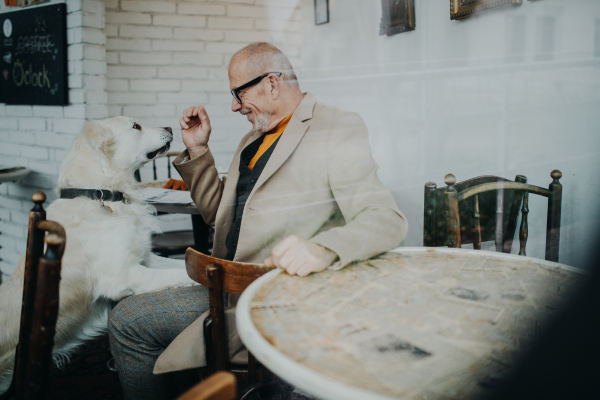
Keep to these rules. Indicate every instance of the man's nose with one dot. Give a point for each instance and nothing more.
(235, 106)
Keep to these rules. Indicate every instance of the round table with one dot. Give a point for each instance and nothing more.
(13, 174)
(413, 323)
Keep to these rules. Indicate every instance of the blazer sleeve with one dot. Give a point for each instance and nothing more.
(201, 176)
(373, 222)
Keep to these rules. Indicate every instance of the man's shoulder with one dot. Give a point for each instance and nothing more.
(335, 117)
(328, 113)
(324, 110)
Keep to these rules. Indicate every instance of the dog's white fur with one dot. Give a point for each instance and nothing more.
(107, 256)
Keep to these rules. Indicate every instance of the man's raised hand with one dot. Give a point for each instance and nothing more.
(300, 257)
(195, 130)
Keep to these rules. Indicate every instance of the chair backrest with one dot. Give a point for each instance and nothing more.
(219, 386)
(486, 208)
(39, 311)
(220, 276)
(169, 155)
(435, 227)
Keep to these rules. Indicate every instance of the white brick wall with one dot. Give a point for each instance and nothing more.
(164, 56)
(39, 137)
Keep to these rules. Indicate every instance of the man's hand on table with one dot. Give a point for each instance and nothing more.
(195, 130)
(300, 257)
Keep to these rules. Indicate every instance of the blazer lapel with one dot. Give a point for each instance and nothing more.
(289, 140)
(233, 175)
(226, 206)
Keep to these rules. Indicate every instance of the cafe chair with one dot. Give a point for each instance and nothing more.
(487, 208)
(220, 386)
(176, 242)
(219, 277)
(39, 311)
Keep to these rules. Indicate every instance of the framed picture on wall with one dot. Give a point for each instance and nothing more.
(25, 3)
(397, 16)
(465, 8)
(321, 12)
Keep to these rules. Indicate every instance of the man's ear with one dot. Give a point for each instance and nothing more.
(275, 84)
(99, 137)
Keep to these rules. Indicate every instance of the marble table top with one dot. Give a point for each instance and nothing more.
(413, 323)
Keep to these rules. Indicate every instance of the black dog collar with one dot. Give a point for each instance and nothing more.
(94, 194)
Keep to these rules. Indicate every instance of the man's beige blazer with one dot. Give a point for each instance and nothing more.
(320, 184)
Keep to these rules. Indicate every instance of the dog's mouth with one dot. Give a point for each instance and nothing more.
(161, 151)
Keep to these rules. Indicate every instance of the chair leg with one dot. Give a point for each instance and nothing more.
(252, 368)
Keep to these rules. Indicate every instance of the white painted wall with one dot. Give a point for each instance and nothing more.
(514, 91)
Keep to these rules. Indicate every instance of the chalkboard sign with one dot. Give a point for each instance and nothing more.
(33, 47)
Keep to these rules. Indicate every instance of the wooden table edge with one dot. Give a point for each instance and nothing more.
(309, 380)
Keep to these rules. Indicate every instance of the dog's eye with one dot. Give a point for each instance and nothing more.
(137, 126)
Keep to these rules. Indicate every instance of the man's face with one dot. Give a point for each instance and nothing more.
(256, 104)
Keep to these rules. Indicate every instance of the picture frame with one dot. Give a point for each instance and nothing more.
(397, 16)
(321, 12)
(25, 3)
(465, 8)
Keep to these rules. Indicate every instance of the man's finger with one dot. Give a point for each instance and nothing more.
(305, 270)
(202, 114)
(269, 262)
(182, 123)
(282, 246)
(294, 266)
(286, 260)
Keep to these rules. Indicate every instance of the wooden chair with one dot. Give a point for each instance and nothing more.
(219, 277)
(220, 386)
(486, 208)
(39, 311)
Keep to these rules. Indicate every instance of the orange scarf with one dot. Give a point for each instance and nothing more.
(269, 139)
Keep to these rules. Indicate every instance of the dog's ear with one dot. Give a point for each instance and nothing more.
(99, 137)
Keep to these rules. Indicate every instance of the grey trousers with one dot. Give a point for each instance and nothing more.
(140, 327)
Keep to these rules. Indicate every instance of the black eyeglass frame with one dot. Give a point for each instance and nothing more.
(234, 92)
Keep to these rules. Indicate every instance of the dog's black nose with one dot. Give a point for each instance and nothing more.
(168, 128)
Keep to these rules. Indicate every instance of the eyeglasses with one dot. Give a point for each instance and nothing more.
(235, 92)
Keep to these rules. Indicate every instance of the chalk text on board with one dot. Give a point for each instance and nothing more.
(24, 75)
(35, 44)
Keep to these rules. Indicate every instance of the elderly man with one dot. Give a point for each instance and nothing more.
(302, 193)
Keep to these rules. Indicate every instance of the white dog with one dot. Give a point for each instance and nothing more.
(107, 255)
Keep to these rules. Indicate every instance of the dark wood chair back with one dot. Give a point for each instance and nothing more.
(487, 208)
(220, 277)
(170, 154)
(39, 311)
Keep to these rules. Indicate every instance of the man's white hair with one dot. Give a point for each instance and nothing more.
(262, 57)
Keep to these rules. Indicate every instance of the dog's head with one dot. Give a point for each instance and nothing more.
(108, 151)
(125, 142)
